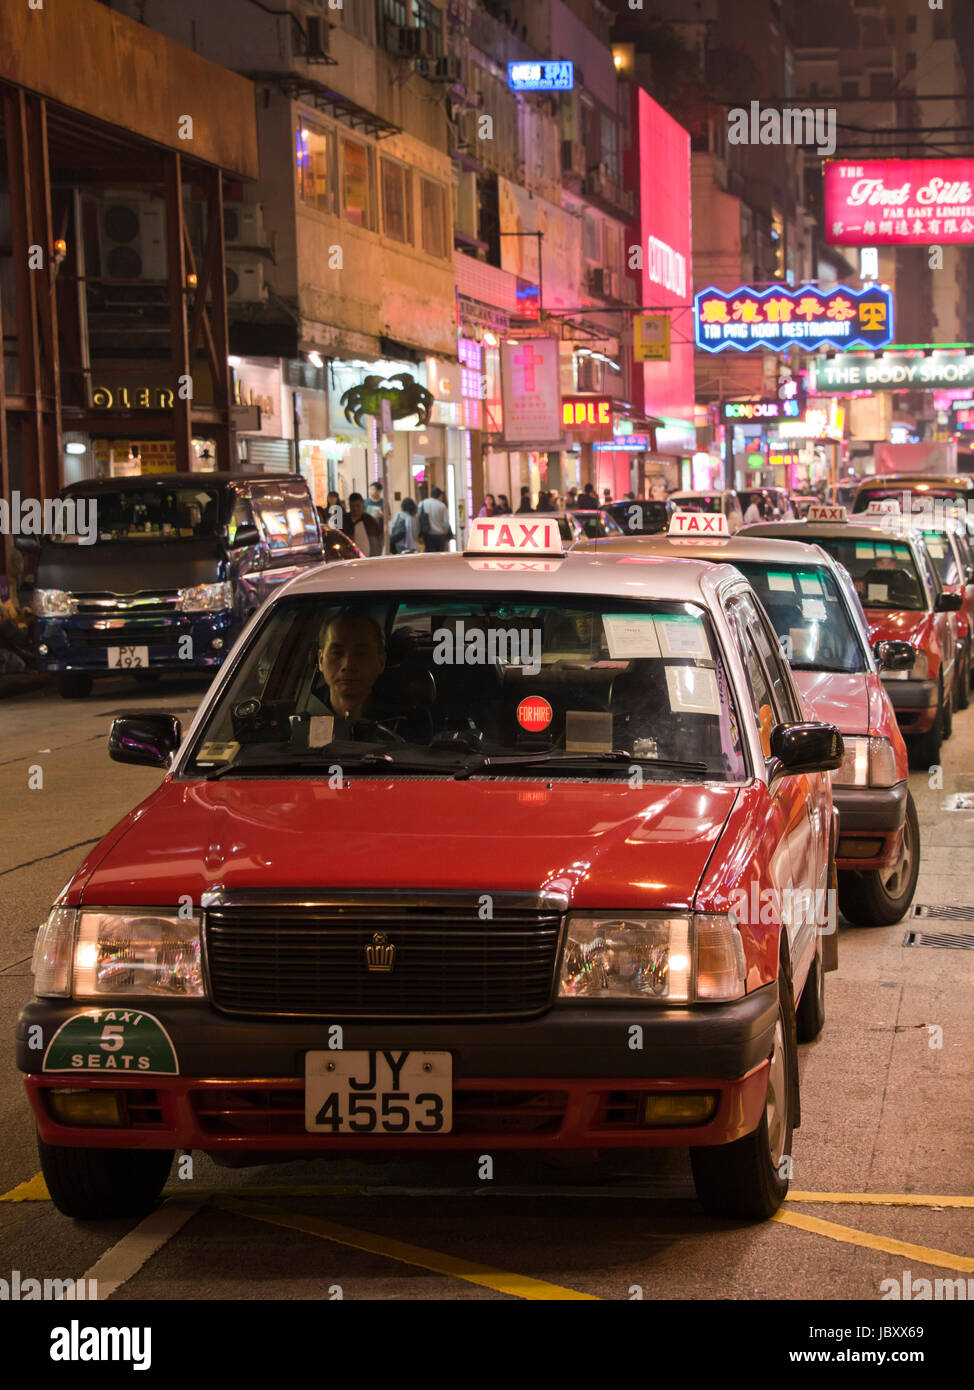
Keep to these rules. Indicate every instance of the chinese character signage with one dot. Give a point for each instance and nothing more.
(899, 202)
(531, 391)
(778, 318)
(651, 337)
(541, 77)
(929, 370)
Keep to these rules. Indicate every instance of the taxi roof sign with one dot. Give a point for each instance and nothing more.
(698, 524)
(511, 536)
(883, 506)
(825, 511)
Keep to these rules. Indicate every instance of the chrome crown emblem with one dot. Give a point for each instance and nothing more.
(380, 956)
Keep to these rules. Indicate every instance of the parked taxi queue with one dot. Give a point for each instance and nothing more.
(519, 848)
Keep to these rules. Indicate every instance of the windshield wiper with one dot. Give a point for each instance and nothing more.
(821, 666)
(372, 761)
(557, 760)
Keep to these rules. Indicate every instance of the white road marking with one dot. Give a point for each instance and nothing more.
(125, 1259)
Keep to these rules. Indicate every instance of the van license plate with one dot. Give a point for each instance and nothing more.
(391, 1092)
(127, 658)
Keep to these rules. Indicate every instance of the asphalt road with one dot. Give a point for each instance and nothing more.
(883, 1163)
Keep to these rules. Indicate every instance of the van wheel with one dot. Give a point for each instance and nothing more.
(810, 1014)
(880, 897)
(75, 685)
(95, 1184)
(749, 1178)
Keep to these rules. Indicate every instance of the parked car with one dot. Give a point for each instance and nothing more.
(824, 634)
(776, 502)
(904, 600)
(891, 487)
(950, 549)
(723, 503)
(179, 563)
(644, 516)
(486, 819)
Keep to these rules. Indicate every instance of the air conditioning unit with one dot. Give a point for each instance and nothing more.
(132, 239)
(403, 41)
(243, 224)
(316, 32)
(447, 68)
(573, 157)
(463, 134)
(245, 279)
(424, 42)
(602, 282)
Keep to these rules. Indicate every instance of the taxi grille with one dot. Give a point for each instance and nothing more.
(313, 959)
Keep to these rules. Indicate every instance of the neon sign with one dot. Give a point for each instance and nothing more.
(580, 410)
(541, 77)
(778, 318)
(899, 202)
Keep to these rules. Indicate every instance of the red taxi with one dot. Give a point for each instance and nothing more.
(950, 550)
(904, 601)
(823, 633)
(461, 852)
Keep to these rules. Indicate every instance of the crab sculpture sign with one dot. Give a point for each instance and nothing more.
(408, 398)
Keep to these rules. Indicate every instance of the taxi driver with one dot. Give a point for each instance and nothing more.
(351, 657)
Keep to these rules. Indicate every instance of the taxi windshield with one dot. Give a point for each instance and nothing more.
(941, 553)
(466, 684)
(883, 571)
(809, 614)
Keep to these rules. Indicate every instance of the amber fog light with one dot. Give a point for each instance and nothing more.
(859, 849)
(95, 1108)
(680, 1108)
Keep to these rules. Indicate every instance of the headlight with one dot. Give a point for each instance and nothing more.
(51, 965)
(53, 603)
(118, 954)
(868, 762)
(655, 958)
(919, 671)
(205, 598)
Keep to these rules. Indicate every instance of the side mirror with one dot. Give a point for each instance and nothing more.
(810, 747)
(147, 739)
(948, 603)
(244, 536)
(895, 656)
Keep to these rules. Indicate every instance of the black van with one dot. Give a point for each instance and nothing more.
(167, 570)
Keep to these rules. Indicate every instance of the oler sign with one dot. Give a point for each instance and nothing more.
(899, 202)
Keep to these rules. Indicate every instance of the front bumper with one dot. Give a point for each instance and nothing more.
(871, 823)
(915, 704)
(569, 1079)
(82, 642)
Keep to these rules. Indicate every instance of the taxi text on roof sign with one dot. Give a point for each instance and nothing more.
(822, 511)
(882, 506)
(778, 318)
(698, 524)
(509, 536)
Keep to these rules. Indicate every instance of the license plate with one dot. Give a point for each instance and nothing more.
(127, 657)
(378, 1092)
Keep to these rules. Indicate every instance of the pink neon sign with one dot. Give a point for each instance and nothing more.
(899, 202)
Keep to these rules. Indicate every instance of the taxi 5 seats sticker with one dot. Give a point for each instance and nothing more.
(118, 1040)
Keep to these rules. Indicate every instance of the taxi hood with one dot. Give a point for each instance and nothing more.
(898, 625)
(602, 843)
(840, 698)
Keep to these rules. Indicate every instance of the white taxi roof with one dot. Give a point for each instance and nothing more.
(615, 570)
(717, 549)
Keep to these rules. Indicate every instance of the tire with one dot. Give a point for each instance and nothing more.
(743, 1179)
(881, 897)
(810, 1014)
(924, 749)
(962, 695)
(75, 685)
(96, 1184)
(949, 715)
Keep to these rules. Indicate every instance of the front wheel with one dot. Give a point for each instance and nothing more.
(749, 1178)
(924, 749)
(95, 1184)
(810, 1014)
(880, 897)
(962, 695)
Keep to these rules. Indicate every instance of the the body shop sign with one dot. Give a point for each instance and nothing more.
(778, 318)
(531, 391)
(893, 371)
(899, 202)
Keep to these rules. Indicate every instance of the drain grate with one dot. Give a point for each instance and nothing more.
(943, 940)
(935, 911)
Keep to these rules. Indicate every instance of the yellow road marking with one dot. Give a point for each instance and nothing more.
(517, 1285)
(882, 1199)
(848, 1235)
(33, 1190)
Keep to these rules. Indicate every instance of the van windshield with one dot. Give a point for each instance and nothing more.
(139, 513)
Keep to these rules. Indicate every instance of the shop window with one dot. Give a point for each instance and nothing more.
(356, 184)
(317, 171)
(397, 201)
(434, 217)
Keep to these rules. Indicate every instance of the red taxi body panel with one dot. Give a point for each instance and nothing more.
(933, 635)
